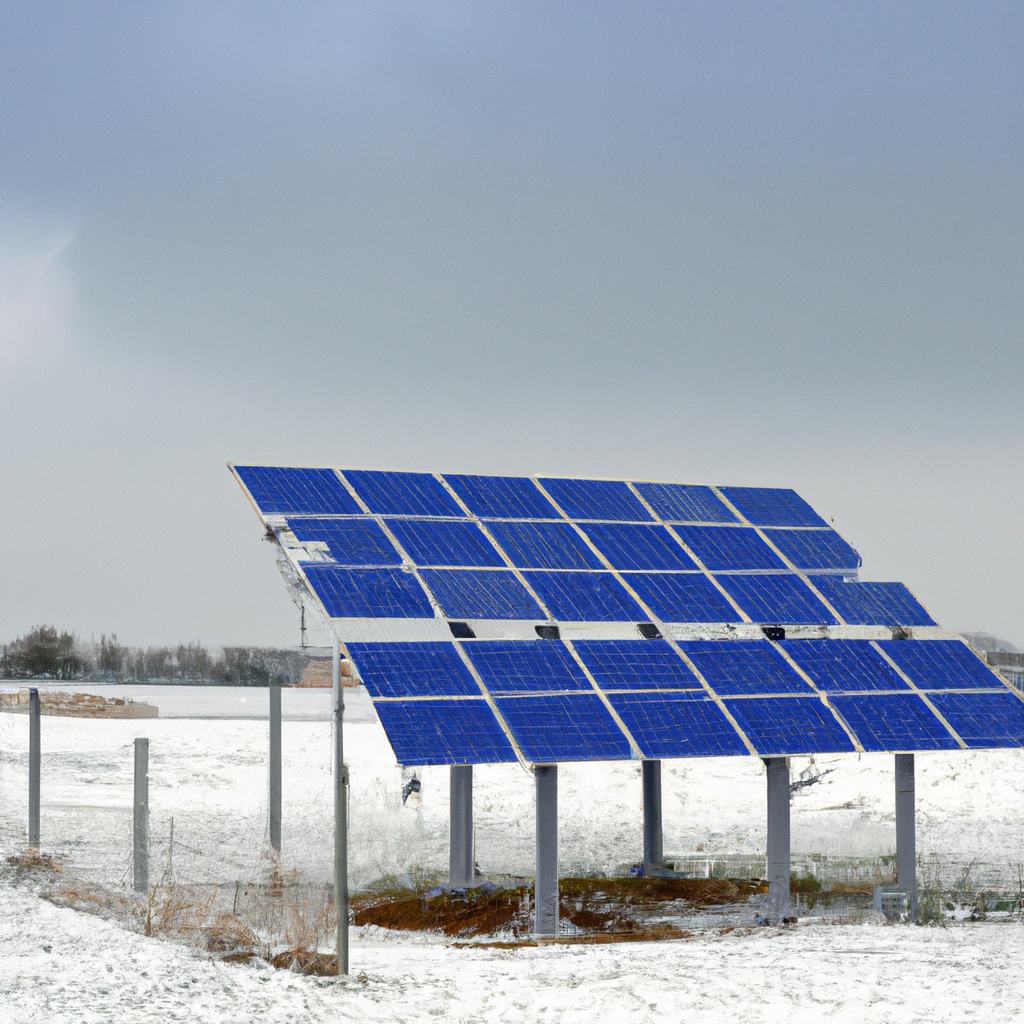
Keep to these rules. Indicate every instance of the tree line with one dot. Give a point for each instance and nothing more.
(44, 652)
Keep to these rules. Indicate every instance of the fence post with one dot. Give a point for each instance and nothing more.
(33, 768)
(275, 767)
(140, 829)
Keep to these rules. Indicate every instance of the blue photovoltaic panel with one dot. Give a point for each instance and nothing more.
(297, 491)
(771, 506)
(885, 604)
(349, 541)
(502, 497)
(724, 548)
(522, 666)
(734, 667)
(402, 494)
(638, 547)
(681, 597)
(413, 670)
(584, 597)
(777, 598)
(894, 722)
(368, 593)
(941, 664)
(789, 725)
(812, 550)
(596, 499)
(685, 503)
(844, 666)
(481, 594)
(567, 727)
(983, 719)
(544, 546)
(444, 732)
(432, 542)
(677, 725)
(627, 664)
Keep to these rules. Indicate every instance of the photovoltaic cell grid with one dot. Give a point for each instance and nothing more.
(376, 545)
(766, 549)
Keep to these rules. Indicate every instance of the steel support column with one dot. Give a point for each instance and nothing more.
(653, 853)
(461, 871)
(340, 816)
(906, 840)
(545, 887)
(140, 818)
(778, 836)
(34, 767)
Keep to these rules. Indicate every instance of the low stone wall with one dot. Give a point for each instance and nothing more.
(77, 705)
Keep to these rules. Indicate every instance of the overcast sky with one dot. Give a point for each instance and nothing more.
(743, 243)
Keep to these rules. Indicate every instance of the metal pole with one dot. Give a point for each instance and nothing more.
(340, 817)
(33, 768)
(654, 857)
(778, 836)
(460, 835)
(906, 841)
(275, 767)
(545, 886)
(140, 829)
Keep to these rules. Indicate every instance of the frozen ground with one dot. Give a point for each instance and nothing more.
(209, 775)
(61, 967)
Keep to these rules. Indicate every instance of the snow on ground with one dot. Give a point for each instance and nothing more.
(61, 967)
(209, 775)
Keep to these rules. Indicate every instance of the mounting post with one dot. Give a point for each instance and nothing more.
(33, 768)
(906, 841)
(461, 873)
(778, 837)
(545, 886)
(340, 815)
(275, 767)
(140, 818)
(653, 853)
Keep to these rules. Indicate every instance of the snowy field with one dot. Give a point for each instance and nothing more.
(209, 775)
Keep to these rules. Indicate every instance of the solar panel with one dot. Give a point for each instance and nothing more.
(858, 603)
(413, 670)
(893, 722)
(349, 541)
(511, 666)
(723, 548)
(544, 546)
(403, 494)
(677, 725)
(444, 732)
(299, 491)
(776, 599)
(771, 506)
(744, 667)
(685, 503)
(481, 594)
(502, 497)
(844, 666)
(399, 621)
(444, 543)
(368, 593)
(596, 499)
(779, 726)
(638, 547)
(942, 665)
(566, 727)
(814, 550)
(628, 665)
(584, 596)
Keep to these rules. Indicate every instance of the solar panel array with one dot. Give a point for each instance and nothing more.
(546, 620)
